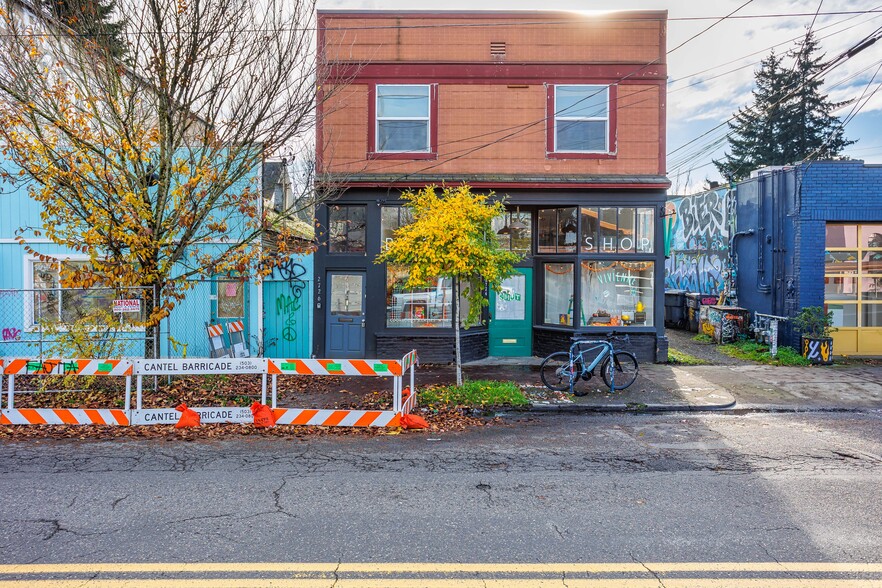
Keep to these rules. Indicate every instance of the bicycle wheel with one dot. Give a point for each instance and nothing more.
(556, 372)
(621, 371)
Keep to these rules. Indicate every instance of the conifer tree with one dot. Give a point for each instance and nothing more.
(790, 119)
(96, 20)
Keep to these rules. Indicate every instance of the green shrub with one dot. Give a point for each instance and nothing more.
(703, 338)
(474, 393)
(759, 352)
(681, 358)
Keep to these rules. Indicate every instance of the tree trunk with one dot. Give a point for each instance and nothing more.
(151, 331)
(456, 332)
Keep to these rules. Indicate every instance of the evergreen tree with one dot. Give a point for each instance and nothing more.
(790, 119)
(94, 20)
(814, 132)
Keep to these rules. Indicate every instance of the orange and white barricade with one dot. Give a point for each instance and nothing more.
(402, 402)
(64, 367)
(238, 347)
(204, 366)
(216, 345)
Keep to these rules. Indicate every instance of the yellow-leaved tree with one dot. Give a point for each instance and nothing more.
(150, 163)
(451, 237)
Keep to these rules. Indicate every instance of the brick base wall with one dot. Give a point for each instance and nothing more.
(435, 348)
(645, 346)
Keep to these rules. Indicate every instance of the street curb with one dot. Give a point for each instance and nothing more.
(732, 408)
(632, 408)
(788, 408)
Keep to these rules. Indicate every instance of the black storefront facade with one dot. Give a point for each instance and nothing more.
(594, 263)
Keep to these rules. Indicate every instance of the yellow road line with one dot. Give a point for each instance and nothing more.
(459, 583)
(442, 568)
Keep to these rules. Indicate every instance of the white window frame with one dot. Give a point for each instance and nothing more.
(28, 320)
(562, 117)
(427, 119)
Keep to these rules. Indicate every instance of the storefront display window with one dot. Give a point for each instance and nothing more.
(427, 307)
(617, 293)
(559, 283)
(853, 275)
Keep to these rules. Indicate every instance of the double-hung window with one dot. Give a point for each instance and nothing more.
(581, 119)
(403, 119)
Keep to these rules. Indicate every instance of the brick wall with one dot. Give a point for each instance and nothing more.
(479, 120)
(435, 348)
(831, 191)
(561, 38)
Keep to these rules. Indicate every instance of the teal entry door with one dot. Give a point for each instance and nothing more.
(511, 316)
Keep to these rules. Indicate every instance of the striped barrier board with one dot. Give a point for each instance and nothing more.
(68, 367)
(411, 359)
(207, 414)
(408, 402)
(215, 330)
(63, 416)
(334, 367)
(337, 418)
(236, 327)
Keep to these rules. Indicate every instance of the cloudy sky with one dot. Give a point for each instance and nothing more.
(711, 75)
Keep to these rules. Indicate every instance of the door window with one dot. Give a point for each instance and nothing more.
(346, 295)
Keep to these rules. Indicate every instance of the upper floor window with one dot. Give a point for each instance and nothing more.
(583, 119)
(346, 229)
(403, 119)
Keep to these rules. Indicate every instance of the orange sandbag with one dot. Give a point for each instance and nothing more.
(263, 416)
(189, 417)
(412, 421)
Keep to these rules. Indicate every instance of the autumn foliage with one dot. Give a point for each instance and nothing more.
(151, 166)
(451, 236)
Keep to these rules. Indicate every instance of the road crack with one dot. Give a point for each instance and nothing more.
(486, 489)
(117, 501)
(655, 575)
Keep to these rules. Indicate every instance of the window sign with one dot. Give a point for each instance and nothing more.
(617, 230)
(608, 230)
(510, 301)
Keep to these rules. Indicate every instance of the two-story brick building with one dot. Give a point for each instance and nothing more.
(563, 113)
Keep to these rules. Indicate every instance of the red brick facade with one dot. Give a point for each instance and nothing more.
(493, 110)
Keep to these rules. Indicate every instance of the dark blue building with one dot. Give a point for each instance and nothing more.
(811, 235)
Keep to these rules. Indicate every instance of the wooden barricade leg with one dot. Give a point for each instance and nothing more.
(10, 401)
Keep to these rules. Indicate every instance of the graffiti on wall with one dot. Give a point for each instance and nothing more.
(288, 305)
(699, 243)
(11, 334)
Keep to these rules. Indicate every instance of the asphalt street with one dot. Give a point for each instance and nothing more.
(624, 489)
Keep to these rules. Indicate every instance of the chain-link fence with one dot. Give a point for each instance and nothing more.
(93, 322)
(109, 322)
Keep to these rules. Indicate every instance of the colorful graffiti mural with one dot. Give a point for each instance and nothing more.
(697, 242)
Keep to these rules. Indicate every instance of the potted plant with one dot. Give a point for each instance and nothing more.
(815, 325)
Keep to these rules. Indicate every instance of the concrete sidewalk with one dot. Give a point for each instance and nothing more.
(662, 387)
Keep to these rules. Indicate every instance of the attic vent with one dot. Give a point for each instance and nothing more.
(497, 49)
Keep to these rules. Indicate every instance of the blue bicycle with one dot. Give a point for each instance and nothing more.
(560, 371)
